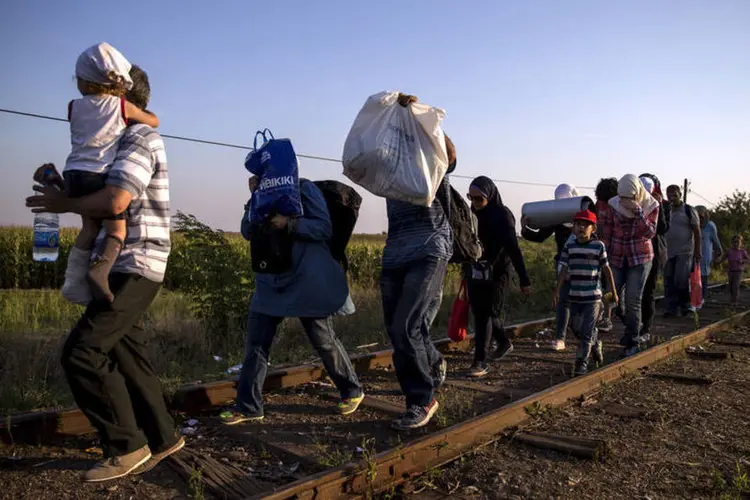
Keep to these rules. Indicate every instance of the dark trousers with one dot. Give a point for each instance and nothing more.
(735, 278)
(487, 300)
(261, 330)
(112, 381)
(677, 283)
(648, 303)
(407, 293)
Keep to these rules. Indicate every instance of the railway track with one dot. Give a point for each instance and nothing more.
(304, 450)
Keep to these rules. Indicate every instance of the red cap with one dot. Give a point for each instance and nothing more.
(586, 215)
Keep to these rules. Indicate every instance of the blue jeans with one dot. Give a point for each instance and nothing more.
(584, 316)
(407, 293)
(433, 355)
(633, 279)
(261, 330)
(704, 285)
(677, 282)
(562, 312)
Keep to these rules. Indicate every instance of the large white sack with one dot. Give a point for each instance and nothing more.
(397, 152)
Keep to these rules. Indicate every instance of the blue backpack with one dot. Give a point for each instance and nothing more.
(275, 164)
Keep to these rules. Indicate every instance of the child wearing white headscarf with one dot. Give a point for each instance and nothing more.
(97, 121)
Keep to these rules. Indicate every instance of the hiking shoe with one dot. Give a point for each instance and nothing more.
(416, 416)
(234, 417)
(478, 370)
(558, 345)
(502, 351)
(597, 354)
(605, 325)
(114, 467)
(643, 338)
(158, 457)
(580, 368)
(439, 373)
(349, 405)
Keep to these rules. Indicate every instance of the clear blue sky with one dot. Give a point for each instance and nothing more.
(544, 91)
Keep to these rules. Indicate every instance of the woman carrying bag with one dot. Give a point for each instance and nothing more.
(488, 278)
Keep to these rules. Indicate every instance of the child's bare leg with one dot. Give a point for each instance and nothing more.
(89, 231)
(109, 250)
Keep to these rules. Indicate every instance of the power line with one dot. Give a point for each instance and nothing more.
(241, 146)
(696, 193)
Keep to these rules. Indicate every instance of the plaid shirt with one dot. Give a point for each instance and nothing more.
(630, 241)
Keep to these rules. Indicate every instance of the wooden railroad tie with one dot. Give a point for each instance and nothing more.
(709, 355)
(592, 449)
(682, 378)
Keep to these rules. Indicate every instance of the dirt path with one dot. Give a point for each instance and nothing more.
(689, 441)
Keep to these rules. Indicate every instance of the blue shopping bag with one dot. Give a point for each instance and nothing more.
(275, 165)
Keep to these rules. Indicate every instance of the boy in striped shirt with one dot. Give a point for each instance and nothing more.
(583, 260)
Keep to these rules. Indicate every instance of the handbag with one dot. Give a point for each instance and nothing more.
(481, 272)
(270, 249)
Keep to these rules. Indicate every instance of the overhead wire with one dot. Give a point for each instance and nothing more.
(249, 148)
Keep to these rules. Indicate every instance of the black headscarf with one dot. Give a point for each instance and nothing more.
(497, 231)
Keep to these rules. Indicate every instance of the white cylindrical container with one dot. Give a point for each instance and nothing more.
(548, 213)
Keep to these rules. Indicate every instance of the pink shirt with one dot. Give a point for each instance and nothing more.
(737, 259)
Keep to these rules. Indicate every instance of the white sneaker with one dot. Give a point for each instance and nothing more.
(76, 288)
(558, 345)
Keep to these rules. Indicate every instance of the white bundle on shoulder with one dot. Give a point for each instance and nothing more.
(397, 152)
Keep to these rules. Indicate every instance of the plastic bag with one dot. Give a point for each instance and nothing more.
(458, 323)
(275, 164)
(397, 152)
(696, 288)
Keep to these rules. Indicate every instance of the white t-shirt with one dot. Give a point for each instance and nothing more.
(97, 122)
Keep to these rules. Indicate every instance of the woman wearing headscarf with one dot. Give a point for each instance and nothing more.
(632, 224)
(488, 280)
(709, 241)
(562, 234)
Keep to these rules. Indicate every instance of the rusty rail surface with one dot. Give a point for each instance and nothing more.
(43, 426)
(391, 467)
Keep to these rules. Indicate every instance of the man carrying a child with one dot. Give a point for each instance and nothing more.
(104, 356)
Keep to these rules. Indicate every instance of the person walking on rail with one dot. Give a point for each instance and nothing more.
(297, 293)
(648, 304)
(415, 261)
(104, 356)
(709, 242)
(632, 223)
(737, 258)
(605, 190)
(683, 253)
(488, 279)
(583, 263)
(562, 234)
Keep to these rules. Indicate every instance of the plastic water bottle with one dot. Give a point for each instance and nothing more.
(46, 237)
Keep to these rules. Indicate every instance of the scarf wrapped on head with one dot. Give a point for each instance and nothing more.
(630, 186)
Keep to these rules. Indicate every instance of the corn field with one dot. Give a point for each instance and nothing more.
(18, 270)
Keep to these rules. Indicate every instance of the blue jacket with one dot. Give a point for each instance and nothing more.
(316, 285)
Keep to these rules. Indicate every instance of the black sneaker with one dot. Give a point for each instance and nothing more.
(439, 372)
(502, 351)
(580, 368)
(597, 354)
(605, 325)
(415, 417)
(478, 370)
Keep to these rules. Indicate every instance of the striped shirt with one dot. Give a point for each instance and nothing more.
(584, 262)
(141, 169)
(416, 232)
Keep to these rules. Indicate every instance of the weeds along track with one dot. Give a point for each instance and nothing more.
(303, 449)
